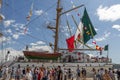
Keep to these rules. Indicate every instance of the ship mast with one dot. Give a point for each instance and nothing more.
(57, 26)
(59, 13)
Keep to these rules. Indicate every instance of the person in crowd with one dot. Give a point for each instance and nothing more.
(18, 73)
(106, 76)
(12, 72)
(111, 74)
(59, 74)
(39, 74)
(84, 73)
(4, 72)
(55, 74)
(35, 73)
(78, 73)
(51, 73)
(44, 74)
(98, 76)
(118, 74)
(8, 73)
(48, 73)
(94, 73)
(23, 72)
(65, 74)
(101, 72)
(28, 75)
(69, 74)
(0, 71)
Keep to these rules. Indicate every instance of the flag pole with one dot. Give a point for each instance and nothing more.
(107, 56)
(82, 42)
(69, 28)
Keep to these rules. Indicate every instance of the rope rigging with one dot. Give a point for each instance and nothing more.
(28, 23)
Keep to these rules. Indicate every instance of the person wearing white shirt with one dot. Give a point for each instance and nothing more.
(28, 75)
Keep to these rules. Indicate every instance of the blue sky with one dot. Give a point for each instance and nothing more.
(104, 14)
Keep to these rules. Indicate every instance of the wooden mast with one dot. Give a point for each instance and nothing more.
(57, 26)
(59, 13)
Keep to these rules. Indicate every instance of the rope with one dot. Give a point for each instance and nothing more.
(33, 20)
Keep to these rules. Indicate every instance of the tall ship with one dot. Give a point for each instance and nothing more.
(76, 43)
(68, 45)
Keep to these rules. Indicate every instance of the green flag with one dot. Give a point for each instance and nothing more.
(106, 47)
(88, 29)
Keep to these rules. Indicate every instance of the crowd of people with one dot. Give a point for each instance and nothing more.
(55, 73)
(31, 73)
(106, 74)
(38, 73)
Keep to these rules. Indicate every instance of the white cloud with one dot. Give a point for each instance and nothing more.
(4, 39)
(111, 13)
(7, 40)
(106, 35)
(15, 36)
(8, 22)
(18, 26)
(68, 14)
(40, 42)
(37, 43)
(33, 44)
(8, 31)
(96, 29)
(40, 46)
(38, 12)
(47, 23)
(65, 30)
(117, 27)
(18, 29)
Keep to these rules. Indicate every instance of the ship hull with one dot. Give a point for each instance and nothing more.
(41, 55)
